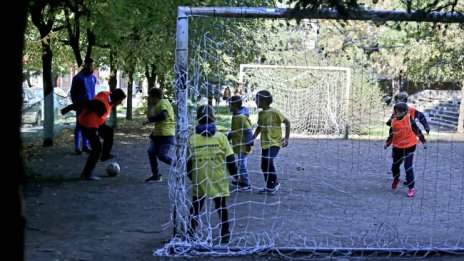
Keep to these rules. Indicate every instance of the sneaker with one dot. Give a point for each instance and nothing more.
(263, 191)
(395, 183)
(274, 190)
(235, 181)
(78, 151)
(91, 177)
(86, 150)
(154, 179)
(244, 188)
(107, 157)
(411, 192)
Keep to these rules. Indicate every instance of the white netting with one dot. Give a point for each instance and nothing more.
(335, 196)
(317, 102)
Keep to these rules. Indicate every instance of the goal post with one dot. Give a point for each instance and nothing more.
(318, 188)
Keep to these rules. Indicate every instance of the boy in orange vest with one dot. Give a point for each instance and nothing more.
(92, 120)
(402, 97)
(403, 136)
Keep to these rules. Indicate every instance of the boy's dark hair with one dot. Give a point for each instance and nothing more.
(236, 100)
(117, 95)
(401, 97)
(265, 96)
(401, 107)
(156, 93)
(205, 114)
(88, 60)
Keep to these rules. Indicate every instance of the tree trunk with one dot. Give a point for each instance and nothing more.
(129, 94)
(150, 73)
(461, 111)
(162, 82)
(49, 119)
(112, 82)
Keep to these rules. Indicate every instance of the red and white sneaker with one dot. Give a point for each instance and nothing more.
(395, 183)
(411, 193)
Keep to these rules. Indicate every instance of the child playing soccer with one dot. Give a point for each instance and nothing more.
(269, 126)
(208, 151)
(162, 137)
(415, 114)
(241, 137)
(403, 136)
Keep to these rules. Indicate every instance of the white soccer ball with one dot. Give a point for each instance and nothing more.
(113, 169)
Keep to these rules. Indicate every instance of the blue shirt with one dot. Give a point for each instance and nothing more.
(83, 86)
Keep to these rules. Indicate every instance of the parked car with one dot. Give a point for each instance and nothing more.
(60, 98)
(32, 108)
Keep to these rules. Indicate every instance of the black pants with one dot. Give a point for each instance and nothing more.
(405, 155)
(219, 203)
(93, 135)
(267, 166)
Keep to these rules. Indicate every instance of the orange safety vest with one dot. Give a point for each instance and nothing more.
(412, 112)
(90, 119)
(403, 136)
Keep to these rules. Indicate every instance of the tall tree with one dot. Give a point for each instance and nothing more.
(43, 14)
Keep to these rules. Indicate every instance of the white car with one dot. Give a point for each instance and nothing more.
(32, 108)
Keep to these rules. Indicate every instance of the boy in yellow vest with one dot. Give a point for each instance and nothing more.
(163, 134)
(241, 137)
(208, 152)
(269, 126)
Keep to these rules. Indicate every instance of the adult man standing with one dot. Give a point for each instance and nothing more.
(82, 89)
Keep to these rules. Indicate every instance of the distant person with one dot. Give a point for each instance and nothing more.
(403, 135)
(241, 136)
(92, 121)
(226, 95)
(402, 97)
(208, 152)
(82, 89)
(163, 134)
(269, 126)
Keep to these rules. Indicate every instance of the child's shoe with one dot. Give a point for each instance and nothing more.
(274, 190)
(246, 187)
(411, 192)
(395, 183)
(155, 178)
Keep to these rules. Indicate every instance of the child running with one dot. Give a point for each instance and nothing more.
(208, 152)
(241, 137)
(269, 126)
(415, 114)
(403, 132)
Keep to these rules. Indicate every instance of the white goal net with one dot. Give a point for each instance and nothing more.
(315, 99)
(335, 195)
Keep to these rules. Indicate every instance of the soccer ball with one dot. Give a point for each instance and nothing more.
(113, 169)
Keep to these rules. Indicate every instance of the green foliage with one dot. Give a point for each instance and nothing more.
(223, 118)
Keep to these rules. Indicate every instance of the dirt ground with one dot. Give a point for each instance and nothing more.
(329, 187)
